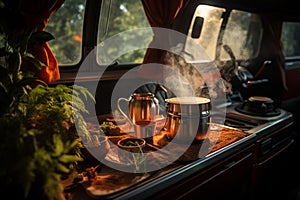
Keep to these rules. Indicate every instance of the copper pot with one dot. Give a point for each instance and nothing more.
(188, 117)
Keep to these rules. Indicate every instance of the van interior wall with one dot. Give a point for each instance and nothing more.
(274, 89)
(270, 50)
(283, 7)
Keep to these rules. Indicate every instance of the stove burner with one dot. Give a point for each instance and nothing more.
(259, 106)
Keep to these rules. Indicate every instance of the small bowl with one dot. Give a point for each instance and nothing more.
(132, 144)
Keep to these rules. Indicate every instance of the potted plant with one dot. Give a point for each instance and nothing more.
(39, 123)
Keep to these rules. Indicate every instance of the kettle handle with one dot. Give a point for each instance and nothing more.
(120, 110)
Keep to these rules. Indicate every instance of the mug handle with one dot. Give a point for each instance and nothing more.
(121, 111)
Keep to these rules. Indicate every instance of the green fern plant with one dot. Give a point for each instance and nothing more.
(39, 124)
(40, 143)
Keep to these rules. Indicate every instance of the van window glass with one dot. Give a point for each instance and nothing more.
(211, 25)
(291, 39)
(127, 19)
(243, 33)
(66, 25)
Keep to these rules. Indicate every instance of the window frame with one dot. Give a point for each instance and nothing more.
(292, 62)
(89, 42)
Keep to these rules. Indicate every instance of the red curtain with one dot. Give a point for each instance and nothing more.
(36, 14)
(160, 13)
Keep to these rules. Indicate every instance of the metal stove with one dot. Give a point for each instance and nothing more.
(259, 106)
(257, 115)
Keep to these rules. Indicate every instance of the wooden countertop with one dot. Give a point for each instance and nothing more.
(219, 136)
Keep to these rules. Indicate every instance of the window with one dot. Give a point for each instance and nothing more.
(291, 39)
(208, 36)
(126, 18)
(291, 44)
(126, 22)
(242, 33)
(66, 25)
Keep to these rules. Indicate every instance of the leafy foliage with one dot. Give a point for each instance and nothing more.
(67, 27)
(39, 139)
(39, 124)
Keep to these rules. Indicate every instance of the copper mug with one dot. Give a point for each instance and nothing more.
(142, 109)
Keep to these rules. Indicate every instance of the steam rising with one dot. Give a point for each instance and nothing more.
(186, 78)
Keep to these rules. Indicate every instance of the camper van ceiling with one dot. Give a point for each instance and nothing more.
(287, 8)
